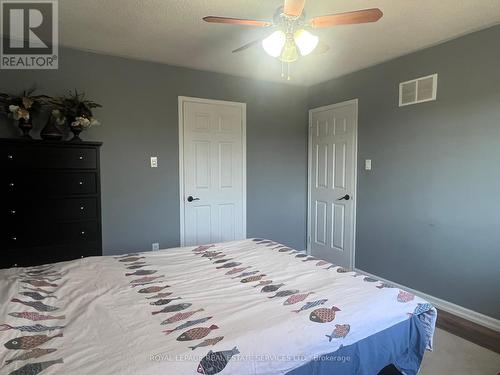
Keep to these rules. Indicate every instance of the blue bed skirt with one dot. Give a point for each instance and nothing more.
(403, 345)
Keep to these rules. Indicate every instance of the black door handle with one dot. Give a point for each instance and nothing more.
(190, 199)
(345, 197)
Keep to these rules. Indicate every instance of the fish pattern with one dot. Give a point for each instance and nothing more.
(34, 316)
(36, 305)
(237, 270)
(33, 353)
(309, 259)
(38, 283)
(251, 279)
(146, 279)
(35, 368)
(229, 265)
(34, 328)
(136, 266)
(203, 248)
(196, 333)
(301, 255)
(285, 293)
(310, 305)
(207, 342)
(222, 260)
(285, 250)
(131, 259)
(210, 254)
(370, 280)
(245, 274)
(271, 288)
(173, 308)
(263, 283)
(160, 295)
(188, 324)
(40, 290)
(141, 273)
(215, 362)
(180, 316)
(323, 315)
(152, 289)
(161, 302)
(405, 296)
(36, 296)
(322, 263)
(340, 331)
(385, 285)
(29, 342)
(297, 298)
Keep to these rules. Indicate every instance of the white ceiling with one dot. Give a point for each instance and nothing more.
(172, 32)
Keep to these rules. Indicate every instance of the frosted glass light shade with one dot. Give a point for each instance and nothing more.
(274, 43)
(306, 42)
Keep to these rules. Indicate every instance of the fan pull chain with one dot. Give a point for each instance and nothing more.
(288, 77)
(282, 69)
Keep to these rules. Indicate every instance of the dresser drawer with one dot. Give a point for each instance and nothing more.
(34, 211)
(48, 254)
(47, 183)
(49, 233)
(47, 157)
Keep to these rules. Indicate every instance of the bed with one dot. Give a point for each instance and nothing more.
(244, 307)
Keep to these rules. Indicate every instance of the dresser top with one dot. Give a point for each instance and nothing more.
(26, 141)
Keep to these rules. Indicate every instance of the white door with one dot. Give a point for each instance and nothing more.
(332, 182)
(213, 175)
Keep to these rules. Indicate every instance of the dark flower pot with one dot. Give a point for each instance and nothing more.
(25, 126)
(51, 132)
(76, 134)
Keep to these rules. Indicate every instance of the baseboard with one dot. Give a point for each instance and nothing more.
(462, 312)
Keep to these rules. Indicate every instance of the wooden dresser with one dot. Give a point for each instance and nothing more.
(50, 206)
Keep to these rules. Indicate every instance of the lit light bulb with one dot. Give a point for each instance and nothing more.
(306, 42)
(274, 43)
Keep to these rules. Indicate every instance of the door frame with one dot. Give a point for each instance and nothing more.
(355, 174)
(243, 107)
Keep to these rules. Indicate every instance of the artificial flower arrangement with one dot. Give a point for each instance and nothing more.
(21, 108)
(75, 111)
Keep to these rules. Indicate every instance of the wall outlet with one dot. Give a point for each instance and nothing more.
(154, 162)
(155, 246)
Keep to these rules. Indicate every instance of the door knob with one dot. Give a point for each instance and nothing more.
(345, 197)
(190, 199)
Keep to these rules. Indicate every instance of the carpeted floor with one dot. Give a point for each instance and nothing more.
(453, 355)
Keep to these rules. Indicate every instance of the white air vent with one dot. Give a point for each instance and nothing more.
(418, 90)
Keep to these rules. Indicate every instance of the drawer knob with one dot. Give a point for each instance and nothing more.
(13, 212)
(80, 158)
(11, 184)
(10, 157)
(82, 232)
(14, 238)
(82, 208)
(80, 183)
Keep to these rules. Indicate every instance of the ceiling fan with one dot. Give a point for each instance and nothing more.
(291, 37)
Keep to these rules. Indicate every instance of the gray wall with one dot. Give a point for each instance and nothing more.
(140, 205)
(429, 211)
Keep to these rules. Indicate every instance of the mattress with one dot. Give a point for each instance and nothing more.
(244, 307)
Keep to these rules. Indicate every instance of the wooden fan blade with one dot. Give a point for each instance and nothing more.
(294, 8)
(248, 45)
(359, 16)
(237, 21)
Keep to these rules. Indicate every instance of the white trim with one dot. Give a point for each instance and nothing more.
(473, 316)
(243, 106)
(309, 170)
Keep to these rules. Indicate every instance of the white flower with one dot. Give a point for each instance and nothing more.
(94, 122)
(13, 108)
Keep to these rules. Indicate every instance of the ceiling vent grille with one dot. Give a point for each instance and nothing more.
(418, 90)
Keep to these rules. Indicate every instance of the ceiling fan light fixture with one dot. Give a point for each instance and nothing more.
(305, 41)
(290, 53)
(274, 43)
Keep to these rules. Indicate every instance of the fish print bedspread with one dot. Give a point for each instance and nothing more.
(242, 307)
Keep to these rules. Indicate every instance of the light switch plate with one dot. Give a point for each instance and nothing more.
(368, 164)
(154, 162)
(155, 246)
